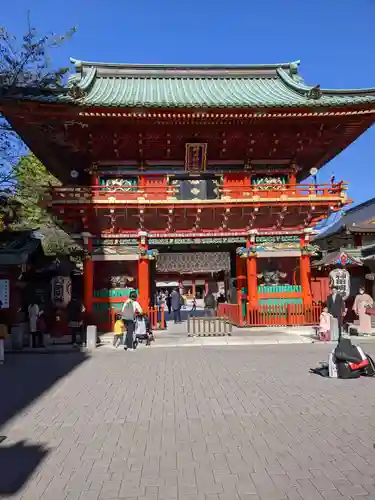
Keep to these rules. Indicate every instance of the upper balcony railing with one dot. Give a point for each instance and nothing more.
(164, 194)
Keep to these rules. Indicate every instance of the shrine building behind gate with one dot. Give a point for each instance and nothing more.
(191, 175)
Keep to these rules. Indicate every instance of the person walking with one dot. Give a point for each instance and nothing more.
(36, 334)
(129, 311)
(169, 302)
(194, 305)
(336, 308)
(361, 303)
(176, 305)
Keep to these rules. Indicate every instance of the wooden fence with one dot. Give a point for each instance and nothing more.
(198, 326)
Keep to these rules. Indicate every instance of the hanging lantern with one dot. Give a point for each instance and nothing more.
(61, 291)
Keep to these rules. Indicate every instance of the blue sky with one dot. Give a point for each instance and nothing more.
(333, 39)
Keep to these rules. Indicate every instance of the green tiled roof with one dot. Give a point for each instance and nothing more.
(212, 86)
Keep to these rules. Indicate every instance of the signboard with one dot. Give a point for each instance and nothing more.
(214, 238)
(197, 241)
(195, 157)
(340, 279)
(105, 242)
(278, 238)
(4, 293)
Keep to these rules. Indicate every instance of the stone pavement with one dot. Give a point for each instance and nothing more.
(205, 424)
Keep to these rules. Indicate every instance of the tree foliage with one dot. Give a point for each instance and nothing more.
(32, 181)
(24, 63)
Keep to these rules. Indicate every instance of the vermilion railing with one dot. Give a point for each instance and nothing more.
(162, 192)
(283, 315)
(233, 312)
(277, 315)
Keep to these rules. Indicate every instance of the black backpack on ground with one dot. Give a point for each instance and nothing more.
(369, 370)
(345, 371)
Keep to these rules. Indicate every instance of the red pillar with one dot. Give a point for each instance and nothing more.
(305, 273)
(252, 280)
(357, 240)
(143, 275)
(88, 279)
(240, 277)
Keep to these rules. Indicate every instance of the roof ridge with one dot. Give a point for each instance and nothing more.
(293, 65)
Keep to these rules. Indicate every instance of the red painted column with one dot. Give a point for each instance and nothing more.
(143, 274)
(94, 179)
(305, 274)
(240, 277)
(252, 280)
(357, 240)
(88, 278)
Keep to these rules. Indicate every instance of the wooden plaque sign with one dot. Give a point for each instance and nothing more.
(195, 157)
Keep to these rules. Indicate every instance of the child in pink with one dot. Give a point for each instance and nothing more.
(325, 325)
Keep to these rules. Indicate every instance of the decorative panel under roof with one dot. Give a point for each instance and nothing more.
(157, 86)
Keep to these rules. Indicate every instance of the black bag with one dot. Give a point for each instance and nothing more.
(346, 351)
(321, 370)
(369, 370)
(344, 371)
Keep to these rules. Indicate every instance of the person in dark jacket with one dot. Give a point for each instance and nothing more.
(168, 301)
(76, 311)
(210, 303)
(176, 305)
(336, 307)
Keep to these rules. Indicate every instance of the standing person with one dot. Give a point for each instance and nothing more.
(176, 305)
(76, 311)
(194, 305)
(3, 333)
(336, 308)
(361, 303)
(36, 334)
(118, 337)
(209, 303)
(221, 299)
(169, 302)
(129, 311)
(325, 325)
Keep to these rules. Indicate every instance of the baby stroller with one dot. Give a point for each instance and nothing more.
(142, 332)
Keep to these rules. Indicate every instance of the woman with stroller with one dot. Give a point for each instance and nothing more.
(130, 310)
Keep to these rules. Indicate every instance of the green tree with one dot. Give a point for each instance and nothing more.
(32, 181)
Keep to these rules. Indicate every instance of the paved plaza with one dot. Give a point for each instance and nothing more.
(214, 423)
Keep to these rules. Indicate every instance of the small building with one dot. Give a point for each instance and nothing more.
(19, 251)
(348, 244)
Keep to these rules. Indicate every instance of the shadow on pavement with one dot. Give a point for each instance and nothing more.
(23, 379)
(17, 462)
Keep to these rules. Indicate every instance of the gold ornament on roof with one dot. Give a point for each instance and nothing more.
(76, 92)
